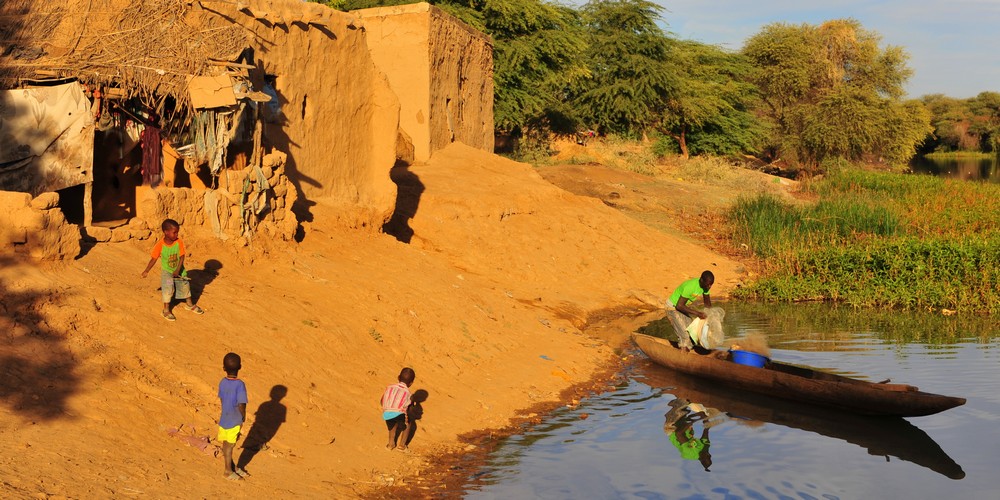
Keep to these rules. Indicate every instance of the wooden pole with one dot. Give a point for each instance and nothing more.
(88, 204)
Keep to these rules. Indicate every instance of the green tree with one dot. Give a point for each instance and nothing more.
(630, 82)
(709, 111)
(985, 109)
(951, 119)
(537, 55)
(832, 91)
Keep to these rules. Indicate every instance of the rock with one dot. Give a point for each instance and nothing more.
(11, 200)
(45, 201)
(101, 234)
(120, 234)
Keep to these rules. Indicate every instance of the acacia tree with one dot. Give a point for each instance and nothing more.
(630, 82)
(709, 110)
(831, 91)
(537, 54)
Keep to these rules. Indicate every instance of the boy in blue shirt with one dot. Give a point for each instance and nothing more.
(233, 395)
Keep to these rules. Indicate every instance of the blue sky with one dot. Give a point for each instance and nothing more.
(954, 45)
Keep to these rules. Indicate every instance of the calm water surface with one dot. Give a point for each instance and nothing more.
(627, 443)
(970, 169)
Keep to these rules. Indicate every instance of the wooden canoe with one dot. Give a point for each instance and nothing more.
(798, 383)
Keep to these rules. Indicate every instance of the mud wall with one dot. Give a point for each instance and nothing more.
(461, 75)
(339, 118)
(36, 227)
(442, 71)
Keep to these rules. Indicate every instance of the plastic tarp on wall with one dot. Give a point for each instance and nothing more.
(46, 138)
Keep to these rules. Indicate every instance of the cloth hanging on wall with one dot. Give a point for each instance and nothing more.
(151, 150)
(46, 138)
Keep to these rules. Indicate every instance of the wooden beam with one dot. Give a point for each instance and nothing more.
(88, 204)
(215, 62)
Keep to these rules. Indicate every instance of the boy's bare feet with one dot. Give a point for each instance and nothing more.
(232, 476)
(403, 449)
(390, 446)
(242, 473)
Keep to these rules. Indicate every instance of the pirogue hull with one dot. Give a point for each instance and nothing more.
(799, 384)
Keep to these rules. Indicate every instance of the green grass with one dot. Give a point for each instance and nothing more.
(878, 239)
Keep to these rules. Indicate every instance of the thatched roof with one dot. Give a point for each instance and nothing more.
(147, 48)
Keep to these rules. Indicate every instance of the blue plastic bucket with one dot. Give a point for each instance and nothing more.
(748, 358)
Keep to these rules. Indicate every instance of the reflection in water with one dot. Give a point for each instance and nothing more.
(880, 436)
(827, 326)
(679, 427)
(969, 169)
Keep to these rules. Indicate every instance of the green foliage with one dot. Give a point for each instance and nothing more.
(339, 4)
(537, 51)
(985, 108)
(879, 239)
(629, 81)
(963, 124)
(663, 145)
(710, 109)
(951, 119)
(910, 273)
(770, 227)
(830, 90)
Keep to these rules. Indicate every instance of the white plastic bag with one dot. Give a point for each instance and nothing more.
(710, 335)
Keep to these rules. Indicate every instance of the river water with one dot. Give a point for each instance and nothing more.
(970, 169)
(657, 434)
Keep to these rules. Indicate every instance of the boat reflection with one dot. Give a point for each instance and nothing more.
(697, 402)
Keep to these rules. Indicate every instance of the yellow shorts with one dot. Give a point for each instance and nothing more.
(229, 435)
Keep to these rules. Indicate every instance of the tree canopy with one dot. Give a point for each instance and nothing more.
(832, 91)
(710, 108)
(630, 82)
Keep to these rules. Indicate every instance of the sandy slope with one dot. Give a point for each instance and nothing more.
(101, 397)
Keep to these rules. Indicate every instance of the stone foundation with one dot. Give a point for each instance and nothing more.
(36, 227)
(246, 205)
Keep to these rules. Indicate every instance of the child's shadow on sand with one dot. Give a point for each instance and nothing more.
(200, 278)
(416, 412)
(268, 418)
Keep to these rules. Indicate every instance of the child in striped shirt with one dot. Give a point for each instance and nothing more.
(395, 403)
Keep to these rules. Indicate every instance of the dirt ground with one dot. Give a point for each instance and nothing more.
(508, 289)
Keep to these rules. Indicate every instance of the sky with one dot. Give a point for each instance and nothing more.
(954, 45)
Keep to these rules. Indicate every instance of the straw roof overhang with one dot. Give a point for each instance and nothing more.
(145, 48)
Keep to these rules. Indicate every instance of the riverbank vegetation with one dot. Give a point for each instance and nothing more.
(878, 239)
